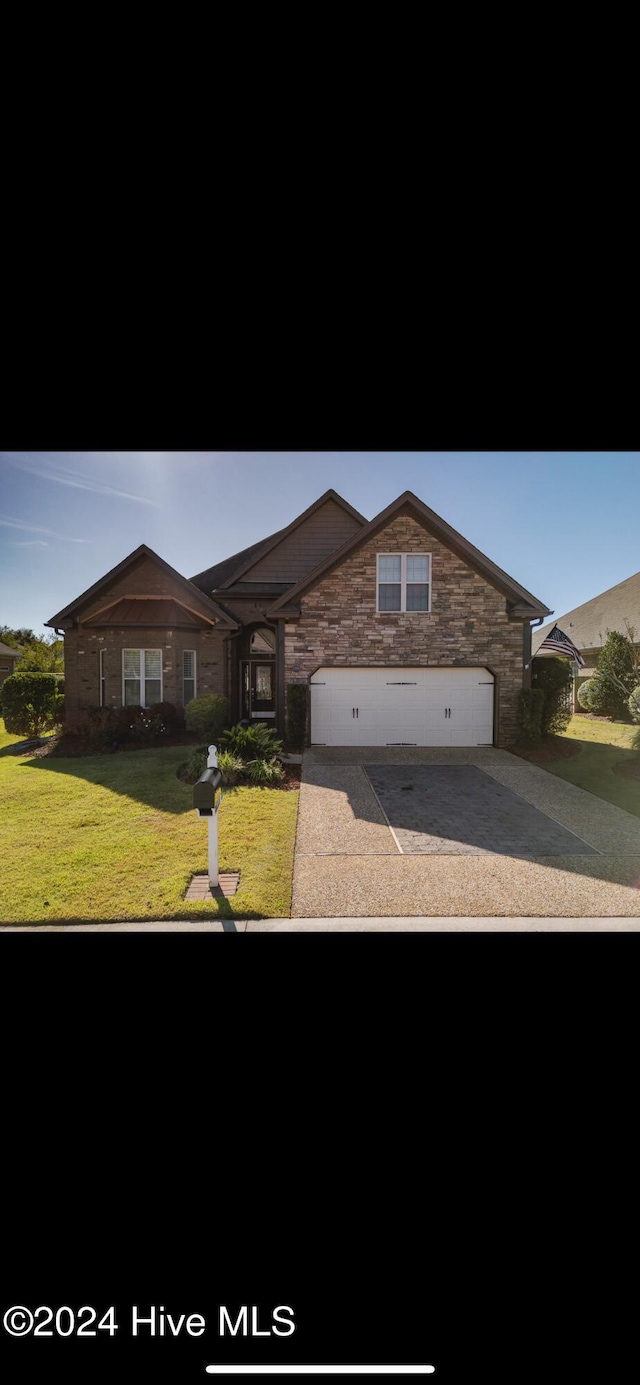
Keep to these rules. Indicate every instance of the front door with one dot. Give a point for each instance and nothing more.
(258, 689)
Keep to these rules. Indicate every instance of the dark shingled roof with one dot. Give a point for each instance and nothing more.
(213, 577)
(587, 624)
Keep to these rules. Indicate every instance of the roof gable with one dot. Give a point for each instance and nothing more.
(587, 624)
(240, 566)
(165, 611)
(142, 551)
(527, 605)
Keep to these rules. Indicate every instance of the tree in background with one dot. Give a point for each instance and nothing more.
(38, 655)
(616, 675)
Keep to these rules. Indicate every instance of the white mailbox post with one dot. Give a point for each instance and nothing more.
(204, 802)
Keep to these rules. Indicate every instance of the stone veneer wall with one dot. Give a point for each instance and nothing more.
(467, 624)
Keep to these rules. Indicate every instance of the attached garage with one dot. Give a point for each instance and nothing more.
(402, 706)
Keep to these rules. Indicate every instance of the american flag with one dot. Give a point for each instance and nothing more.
(561, 644)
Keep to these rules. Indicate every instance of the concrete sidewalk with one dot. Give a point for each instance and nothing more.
(351, 925)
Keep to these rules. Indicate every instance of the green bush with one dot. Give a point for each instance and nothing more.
(616, 675)
(634, 704)
(588, 695)
(231, 768)
(112, 727)
(555, 678)
(30, 703)
(264, 771)
(196, 763)
(254, 742)
(530, 710)
(297, 699)
(207, 716)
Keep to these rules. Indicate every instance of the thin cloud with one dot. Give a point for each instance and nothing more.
(28, 543)
(65, 477)
(9, 523)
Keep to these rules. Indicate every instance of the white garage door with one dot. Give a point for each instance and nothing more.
(402, 706)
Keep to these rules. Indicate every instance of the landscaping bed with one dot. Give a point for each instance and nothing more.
(290, 779)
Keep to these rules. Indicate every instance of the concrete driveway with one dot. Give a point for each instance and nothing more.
(404, 832)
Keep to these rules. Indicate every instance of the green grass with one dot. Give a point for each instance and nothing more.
(115, 837)
(604, 744)
(6, 738)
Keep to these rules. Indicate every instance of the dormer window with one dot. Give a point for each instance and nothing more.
(404, 582)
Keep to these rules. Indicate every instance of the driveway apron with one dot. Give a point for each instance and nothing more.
(407, 832)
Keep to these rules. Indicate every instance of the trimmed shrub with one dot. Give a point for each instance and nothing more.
(585, 694)
(264, 771)
(634, 704)
(30, 703)
(254, 742)
(297, 703)
(530, 709)
(154, 724)
(593, 696)
(111, 727)
(207, 716)
(555, 678)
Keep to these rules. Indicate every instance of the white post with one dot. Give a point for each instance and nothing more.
(212, 763)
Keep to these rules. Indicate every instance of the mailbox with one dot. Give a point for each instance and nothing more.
(204, 792)
(204, 802)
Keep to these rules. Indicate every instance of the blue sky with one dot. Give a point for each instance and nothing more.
(564, 525)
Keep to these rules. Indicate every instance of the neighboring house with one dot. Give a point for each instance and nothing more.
(587, 626)
(8, 660)
(403, 631)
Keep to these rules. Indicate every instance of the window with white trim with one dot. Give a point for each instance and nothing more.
(141, 677)
(188, 675)
(404, 582)
(102, 678)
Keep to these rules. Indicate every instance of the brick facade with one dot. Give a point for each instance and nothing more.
(83, 643)
(468, 622)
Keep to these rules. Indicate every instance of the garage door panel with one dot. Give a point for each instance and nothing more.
(402, 706)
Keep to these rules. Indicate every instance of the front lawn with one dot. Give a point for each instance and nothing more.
(605, 747)
(115, 837)
(6, 737)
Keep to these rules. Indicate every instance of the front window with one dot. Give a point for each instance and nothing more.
(188, 675)
(141, 677)
(404, 582)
